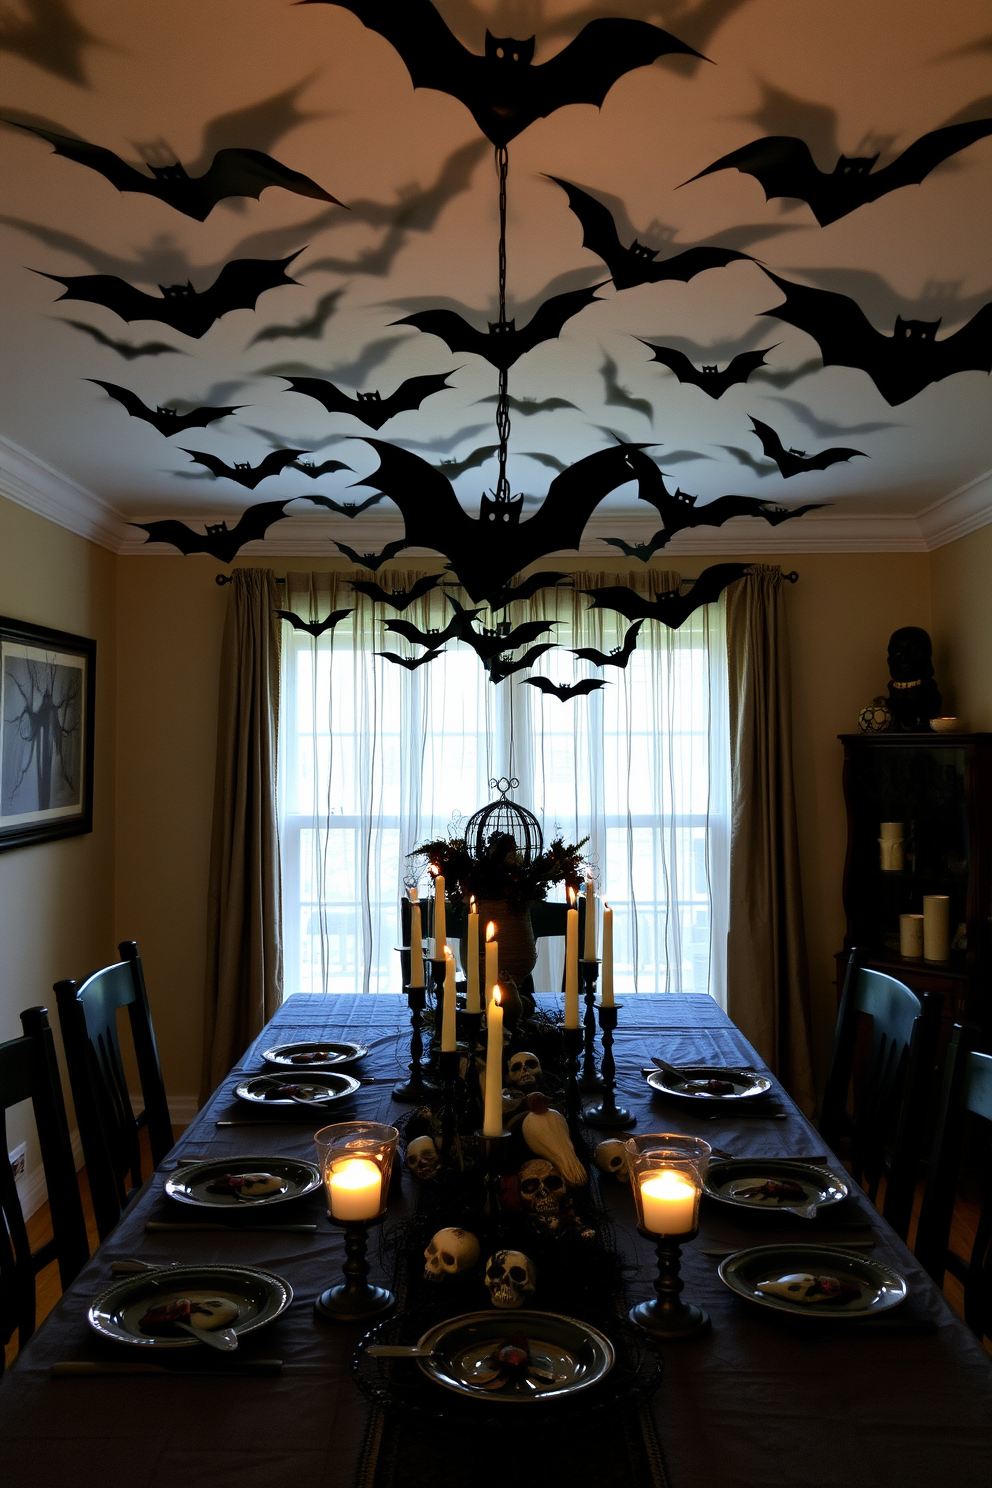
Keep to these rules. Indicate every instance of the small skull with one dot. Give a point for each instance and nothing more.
(524, 1070)
(610, 1157)
(449, 1252)
(422, 1157)
(542, 1192)
(510, 1278)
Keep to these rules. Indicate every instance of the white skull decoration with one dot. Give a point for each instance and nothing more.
(449, 1252)
(542, 1191)
(422, 1157)
(510, 1278)
(524, 1070)
(610, 1157)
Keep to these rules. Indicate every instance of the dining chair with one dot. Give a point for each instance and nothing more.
(966, 1102)
(891, 1094)
(29, 1071)
(108, 1127)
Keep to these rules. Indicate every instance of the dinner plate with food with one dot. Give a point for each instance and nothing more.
(325, 1054)
(242, 1183)
(167, 1308)
(813, 1281)
(704, 1082)
(285, 1088)
(773, 1185)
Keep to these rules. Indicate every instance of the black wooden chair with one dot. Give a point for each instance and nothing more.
(966, 1102)
(108, 1127)
(29, 1071)
(892, 1094)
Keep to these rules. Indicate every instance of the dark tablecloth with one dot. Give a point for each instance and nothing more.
(756, 1401)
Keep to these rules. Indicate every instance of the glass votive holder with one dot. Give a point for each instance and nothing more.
(356, 1162)
(666, 1172)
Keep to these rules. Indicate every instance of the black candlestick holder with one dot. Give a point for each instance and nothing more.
(572, 1039)
(448, 1061)
(589, 1080)
(354, 1300)
(607, 1115)
(416, 1089)
(667, 1315)
(493, 1151)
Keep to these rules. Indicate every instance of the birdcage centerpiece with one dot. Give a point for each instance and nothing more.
(501, 862)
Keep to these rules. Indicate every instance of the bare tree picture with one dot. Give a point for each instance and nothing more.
(45, 736)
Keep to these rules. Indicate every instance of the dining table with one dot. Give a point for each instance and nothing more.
(903, 1399)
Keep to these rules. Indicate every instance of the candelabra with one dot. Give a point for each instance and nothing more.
(572, 1039)
(493, 1153)
(415, 1090)
(607, 1115)
(448, 1062)
(589, 1080)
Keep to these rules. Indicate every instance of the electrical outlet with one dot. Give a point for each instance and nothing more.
(18, 1159)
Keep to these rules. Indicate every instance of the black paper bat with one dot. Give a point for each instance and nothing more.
(232, 173)
(546, 578)
(218, 540)
(672, 609)
(400, 599)
(126, 349)
(310, 328)
(900, 365)
(530, 406)
(454, 468)
(636, 264)
(796, 462)
(374, 561)
(499, 670)
(564, 691)
(679, 511)
(487, 552)
(370, 408)
(166, 420)
(349, 509)
(327, 467)
(410, 662)
(503, 344)
(643, 551)
(709, 379)
(432, 639)
(314, 627)
(237, 287)
(785, 167)
(489, 644)
(618, 657)
(502, 90)
(245, 474)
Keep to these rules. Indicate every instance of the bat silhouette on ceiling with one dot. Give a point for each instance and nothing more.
(373, 561)
(619, 656)
(564, 691)
(410, 662)
(642, 551)
(486, 552)
(166, 420)
(126, 349)
(232, 173)
(399, 599)
(796, 462)
(454, 468)
(327, 467)
(245, 474)
(710, 379)
(672, 608)
(637, 264)
(502, 90)
(218, 540)
(237, 287)
(503, 343)
(432, 639)
(314, 628)
(490, 643)
(784, 167)
(499, 670)
(900, 365)
(545, 578)
(371, 409)
(344, 508)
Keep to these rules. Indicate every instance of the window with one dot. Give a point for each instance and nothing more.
(375, 757)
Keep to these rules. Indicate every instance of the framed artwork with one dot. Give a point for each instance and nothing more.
(47, 696)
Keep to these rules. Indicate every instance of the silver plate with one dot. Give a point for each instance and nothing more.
(329, 1085)
(879, 1286)
(725, 1177)
(260, 1297)
(338, 1054)
(577, 1354)
(746, 1086)
(192, 1183)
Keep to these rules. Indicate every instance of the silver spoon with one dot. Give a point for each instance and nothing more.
(224, 1339)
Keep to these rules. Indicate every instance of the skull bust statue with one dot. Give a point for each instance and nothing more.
(523, 1071)
(610, 1157)
(449, 1252)
(542, 1192)
(422, 1157)
(510, 1278)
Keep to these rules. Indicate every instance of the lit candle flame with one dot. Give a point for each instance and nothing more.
(490, 931)
(433, 869)
(497, 996)
(471, 904)
(572, 896)
(449, 954)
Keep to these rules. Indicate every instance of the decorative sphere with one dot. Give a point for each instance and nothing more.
(876, 718)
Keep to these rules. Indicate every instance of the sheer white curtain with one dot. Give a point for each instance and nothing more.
(375, 758)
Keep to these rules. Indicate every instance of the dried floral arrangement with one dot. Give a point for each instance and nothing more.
(501, 872)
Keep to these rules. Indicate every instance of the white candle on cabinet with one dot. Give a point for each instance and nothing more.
(449, 1041)
(607, 998)
(492, 1121)
(472, 1003)
(572, 965)
(589, 952)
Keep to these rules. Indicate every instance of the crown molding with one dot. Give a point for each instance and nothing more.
(41, 488)
(954, 516)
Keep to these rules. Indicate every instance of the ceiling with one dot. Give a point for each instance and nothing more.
(312, 87)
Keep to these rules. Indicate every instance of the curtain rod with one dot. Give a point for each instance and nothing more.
(792, 578)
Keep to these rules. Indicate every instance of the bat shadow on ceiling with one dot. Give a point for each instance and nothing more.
(445, 446)
(47, 33)
(826, 428)
(285, 441)
(664, 238)
(616, 395)
(520, 310)
(785, 113)
(939, 300)
(257, 127)
(694, 24)
(719, 351)
(980, 47)
(355, 373)
(218, 393)
(163, 261)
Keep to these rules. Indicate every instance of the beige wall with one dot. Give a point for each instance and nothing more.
(57, 898)
(961, 578)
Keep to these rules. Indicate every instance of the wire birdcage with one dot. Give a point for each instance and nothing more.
(503, 821)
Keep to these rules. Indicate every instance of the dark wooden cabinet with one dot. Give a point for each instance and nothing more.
(940, 787)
